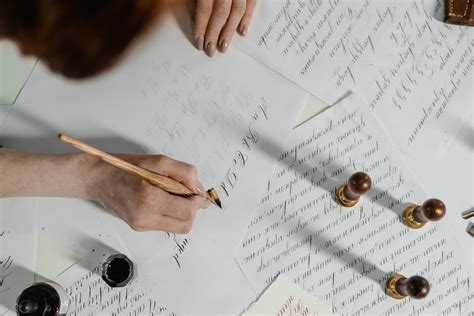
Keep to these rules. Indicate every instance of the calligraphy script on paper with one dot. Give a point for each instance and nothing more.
(5, 271)
(207, 112)
(409, 66)
(90, 295)
(345, 255)
(248, 141)
(211, 106)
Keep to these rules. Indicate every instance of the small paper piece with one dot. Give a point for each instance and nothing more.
(17, 249)
(90, 295)
(285, 298)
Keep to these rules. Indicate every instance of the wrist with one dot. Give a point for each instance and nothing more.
(88, 174)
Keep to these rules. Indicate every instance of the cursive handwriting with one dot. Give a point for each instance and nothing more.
(90, 295)
(409, 66)
(345, 254)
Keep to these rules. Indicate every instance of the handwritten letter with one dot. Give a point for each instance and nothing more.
(17, 249)
(344, 255)
(414, 71)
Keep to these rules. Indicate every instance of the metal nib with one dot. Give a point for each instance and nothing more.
(214, 197)
(218, 203)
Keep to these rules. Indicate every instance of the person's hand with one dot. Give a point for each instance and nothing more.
(141, 205)
(215, 21)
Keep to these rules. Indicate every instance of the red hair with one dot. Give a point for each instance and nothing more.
(77, 38)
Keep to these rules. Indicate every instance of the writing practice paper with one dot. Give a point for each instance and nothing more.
(17, 249)
(413, 70)
(344, 255)
(90, 295)
(284, 298)
(224, 115)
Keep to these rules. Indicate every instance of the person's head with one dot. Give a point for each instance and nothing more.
(77, 38)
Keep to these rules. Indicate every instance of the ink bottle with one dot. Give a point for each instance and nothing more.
(44, 298)
(118, 270)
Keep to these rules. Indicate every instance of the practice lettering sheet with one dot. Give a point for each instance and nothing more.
(345, 255)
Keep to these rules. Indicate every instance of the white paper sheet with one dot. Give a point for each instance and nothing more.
(90, 295)
(285, 298)
(17, 249)
(414, 71)
(4, 109)
(226, 115)
(344, 255)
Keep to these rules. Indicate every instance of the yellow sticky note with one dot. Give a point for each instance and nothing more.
(285, 298)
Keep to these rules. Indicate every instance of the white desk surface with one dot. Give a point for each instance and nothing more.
(451, 178)
(14, 71)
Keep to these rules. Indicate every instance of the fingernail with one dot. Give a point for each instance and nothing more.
(200, 42)
(199, 188)
(210, 49)
(243, 31)
(224, 45)
(205, 204)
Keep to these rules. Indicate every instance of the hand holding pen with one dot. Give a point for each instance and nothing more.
(148, 192)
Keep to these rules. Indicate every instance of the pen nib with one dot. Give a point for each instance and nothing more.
(214, 197)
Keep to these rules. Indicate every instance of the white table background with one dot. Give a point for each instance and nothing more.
(449, 177)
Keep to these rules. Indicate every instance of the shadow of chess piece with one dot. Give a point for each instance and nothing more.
(399, 287)
(416, 216)
(348, 194)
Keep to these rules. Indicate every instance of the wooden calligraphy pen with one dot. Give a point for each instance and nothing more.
(167, 184)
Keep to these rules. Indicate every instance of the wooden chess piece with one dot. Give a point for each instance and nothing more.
(416, 216)
(399, 287)
(348, 194)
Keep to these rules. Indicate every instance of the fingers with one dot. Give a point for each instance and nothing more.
(163, 223)
(158, 210)
(191, 4)
(236, 14)
(178, 170)
(244, 23)
(215, 21)
(173, 225)
(202, 16)
(146, 207)
(220, 14)
(178, 207)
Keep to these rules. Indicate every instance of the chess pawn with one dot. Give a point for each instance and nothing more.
(416, 216)
(399, 287)
(348, 194)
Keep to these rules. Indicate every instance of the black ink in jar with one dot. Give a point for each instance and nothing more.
(118, 270)
(43, 299)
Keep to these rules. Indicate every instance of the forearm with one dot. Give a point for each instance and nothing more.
(26, 174)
